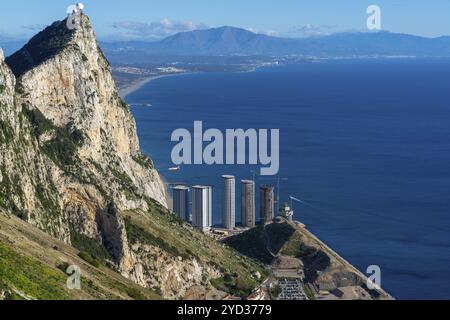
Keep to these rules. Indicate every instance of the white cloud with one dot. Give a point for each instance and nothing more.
(309, 30)
(271, 33)
(34, 27)
(155, 30)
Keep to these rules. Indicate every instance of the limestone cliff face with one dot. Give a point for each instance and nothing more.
(74, 89)
(25, 174)
(69, 152)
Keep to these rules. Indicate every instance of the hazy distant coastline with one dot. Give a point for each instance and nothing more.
(129, 84)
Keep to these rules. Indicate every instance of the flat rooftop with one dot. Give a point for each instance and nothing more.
(181, 188)
(228, 177)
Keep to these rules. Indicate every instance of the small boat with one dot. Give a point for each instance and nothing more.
(175, 168)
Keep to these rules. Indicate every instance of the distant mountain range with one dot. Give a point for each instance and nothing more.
(227, 41)
(231, 41)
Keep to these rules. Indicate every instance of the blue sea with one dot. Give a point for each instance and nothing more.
(366, 143)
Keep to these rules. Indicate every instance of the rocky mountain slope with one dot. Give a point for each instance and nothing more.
(70, 165)
(33, 265)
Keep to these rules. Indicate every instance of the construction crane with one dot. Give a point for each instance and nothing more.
(172, 185)
(293, 199)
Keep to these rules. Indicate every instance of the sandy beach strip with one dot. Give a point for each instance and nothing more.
(136, 85)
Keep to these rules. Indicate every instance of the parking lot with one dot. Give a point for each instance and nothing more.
(292, 290)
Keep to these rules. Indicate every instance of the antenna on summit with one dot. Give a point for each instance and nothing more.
(75, 9)
(74, 15)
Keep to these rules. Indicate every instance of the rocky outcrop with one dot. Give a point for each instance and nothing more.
(170, 275)
(74, 89)
(69, 151)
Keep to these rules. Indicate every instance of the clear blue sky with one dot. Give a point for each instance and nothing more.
(428, 18)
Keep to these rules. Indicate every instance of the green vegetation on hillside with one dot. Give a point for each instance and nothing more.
(144, 161)
(33, 266)
(291, 247)
(63, 145)
(39, 122)
(314, 261)
(91, 250)
(255, 242)
(137, 234)
(284, 239)
(163, 229)
(233, 284)
(91, 259)
(47, 203)
(91, 246)
(275, 292)
(8, 188)
(30, 276)
(124, 180)
(251, 243)
(123, 104)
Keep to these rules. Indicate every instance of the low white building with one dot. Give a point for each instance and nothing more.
(286, 212)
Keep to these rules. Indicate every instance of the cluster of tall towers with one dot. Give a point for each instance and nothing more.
(248, 203)
(202, 204)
